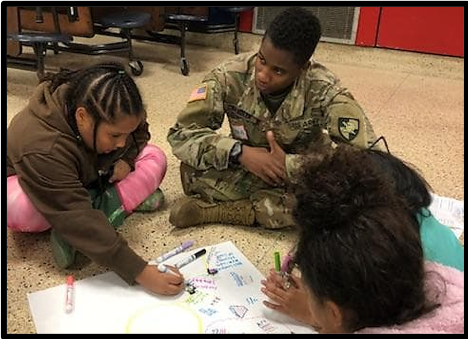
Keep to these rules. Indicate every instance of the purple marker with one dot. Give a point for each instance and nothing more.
(286, 265)
(175, 251)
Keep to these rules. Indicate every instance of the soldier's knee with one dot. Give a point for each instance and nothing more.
(272, 214)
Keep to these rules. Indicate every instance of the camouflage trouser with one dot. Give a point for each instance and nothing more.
(272, 205)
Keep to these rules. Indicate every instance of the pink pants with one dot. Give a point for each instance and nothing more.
(150, 169)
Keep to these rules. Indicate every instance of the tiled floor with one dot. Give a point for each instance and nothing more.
(415, 100)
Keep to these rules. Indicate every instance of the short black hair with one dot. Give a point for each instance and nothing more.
(296, 30)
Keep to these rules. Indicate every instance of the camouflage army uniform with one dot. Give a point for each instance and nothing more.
(316, 101)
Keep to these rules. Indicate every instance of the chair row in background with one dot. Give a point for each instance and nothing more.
(53, 28)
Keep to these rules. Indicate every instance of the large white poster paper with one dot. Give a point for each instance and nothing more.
(227, 302)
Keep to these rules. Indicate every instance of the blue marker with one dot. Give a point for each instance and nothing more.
(175, 251)
(189, 259)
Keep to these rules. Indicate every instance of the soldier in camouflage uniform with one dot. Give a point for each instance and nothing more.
(276, 102)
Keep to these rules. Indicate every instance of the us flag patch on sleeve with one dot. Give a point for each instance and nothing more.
(198, 93)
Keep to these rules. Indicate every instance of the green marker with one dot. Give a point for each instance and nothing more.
(277, 262)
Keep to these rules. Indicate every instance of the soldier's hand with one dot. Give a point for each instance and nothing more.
(278, 154)
(267, 165)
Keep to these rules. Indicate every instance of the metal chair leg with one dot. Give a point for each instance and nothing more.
(184, 65)
(39, 51)
(235, 40)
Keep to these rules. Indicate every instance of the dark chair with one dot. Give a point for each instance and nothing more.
(114, 17)
(125, 21)
(236, 11)
(39, 41)
(181, 22)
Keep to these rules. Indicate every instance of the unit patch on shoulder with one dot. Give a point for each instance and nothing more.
(348, 127)
(198, 93)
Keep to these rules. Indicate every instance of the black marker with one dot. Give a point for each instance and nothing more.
(190, 258)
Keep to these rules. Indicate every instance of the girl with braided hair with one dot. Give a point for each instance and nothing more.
(78, 162)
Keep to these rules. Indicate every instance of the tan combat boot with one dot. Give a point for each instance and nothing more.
(192, 211)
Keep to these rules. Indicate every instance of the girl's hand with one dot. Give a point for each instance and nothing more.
(161, 283)
(289, 298)
(121, 170)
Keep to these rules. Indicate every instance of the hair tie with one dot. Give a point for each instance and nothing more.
(121, 72)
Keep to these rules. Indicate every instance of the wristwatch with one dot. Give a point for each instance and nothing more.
(235, 153)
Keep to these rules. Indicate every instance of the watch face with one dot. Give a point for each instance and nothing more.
(236, 152)
(237, 149)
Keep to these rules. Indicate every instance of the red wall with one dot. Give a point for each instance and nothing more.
(368, 25)
(245, 22)
(438, 30)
